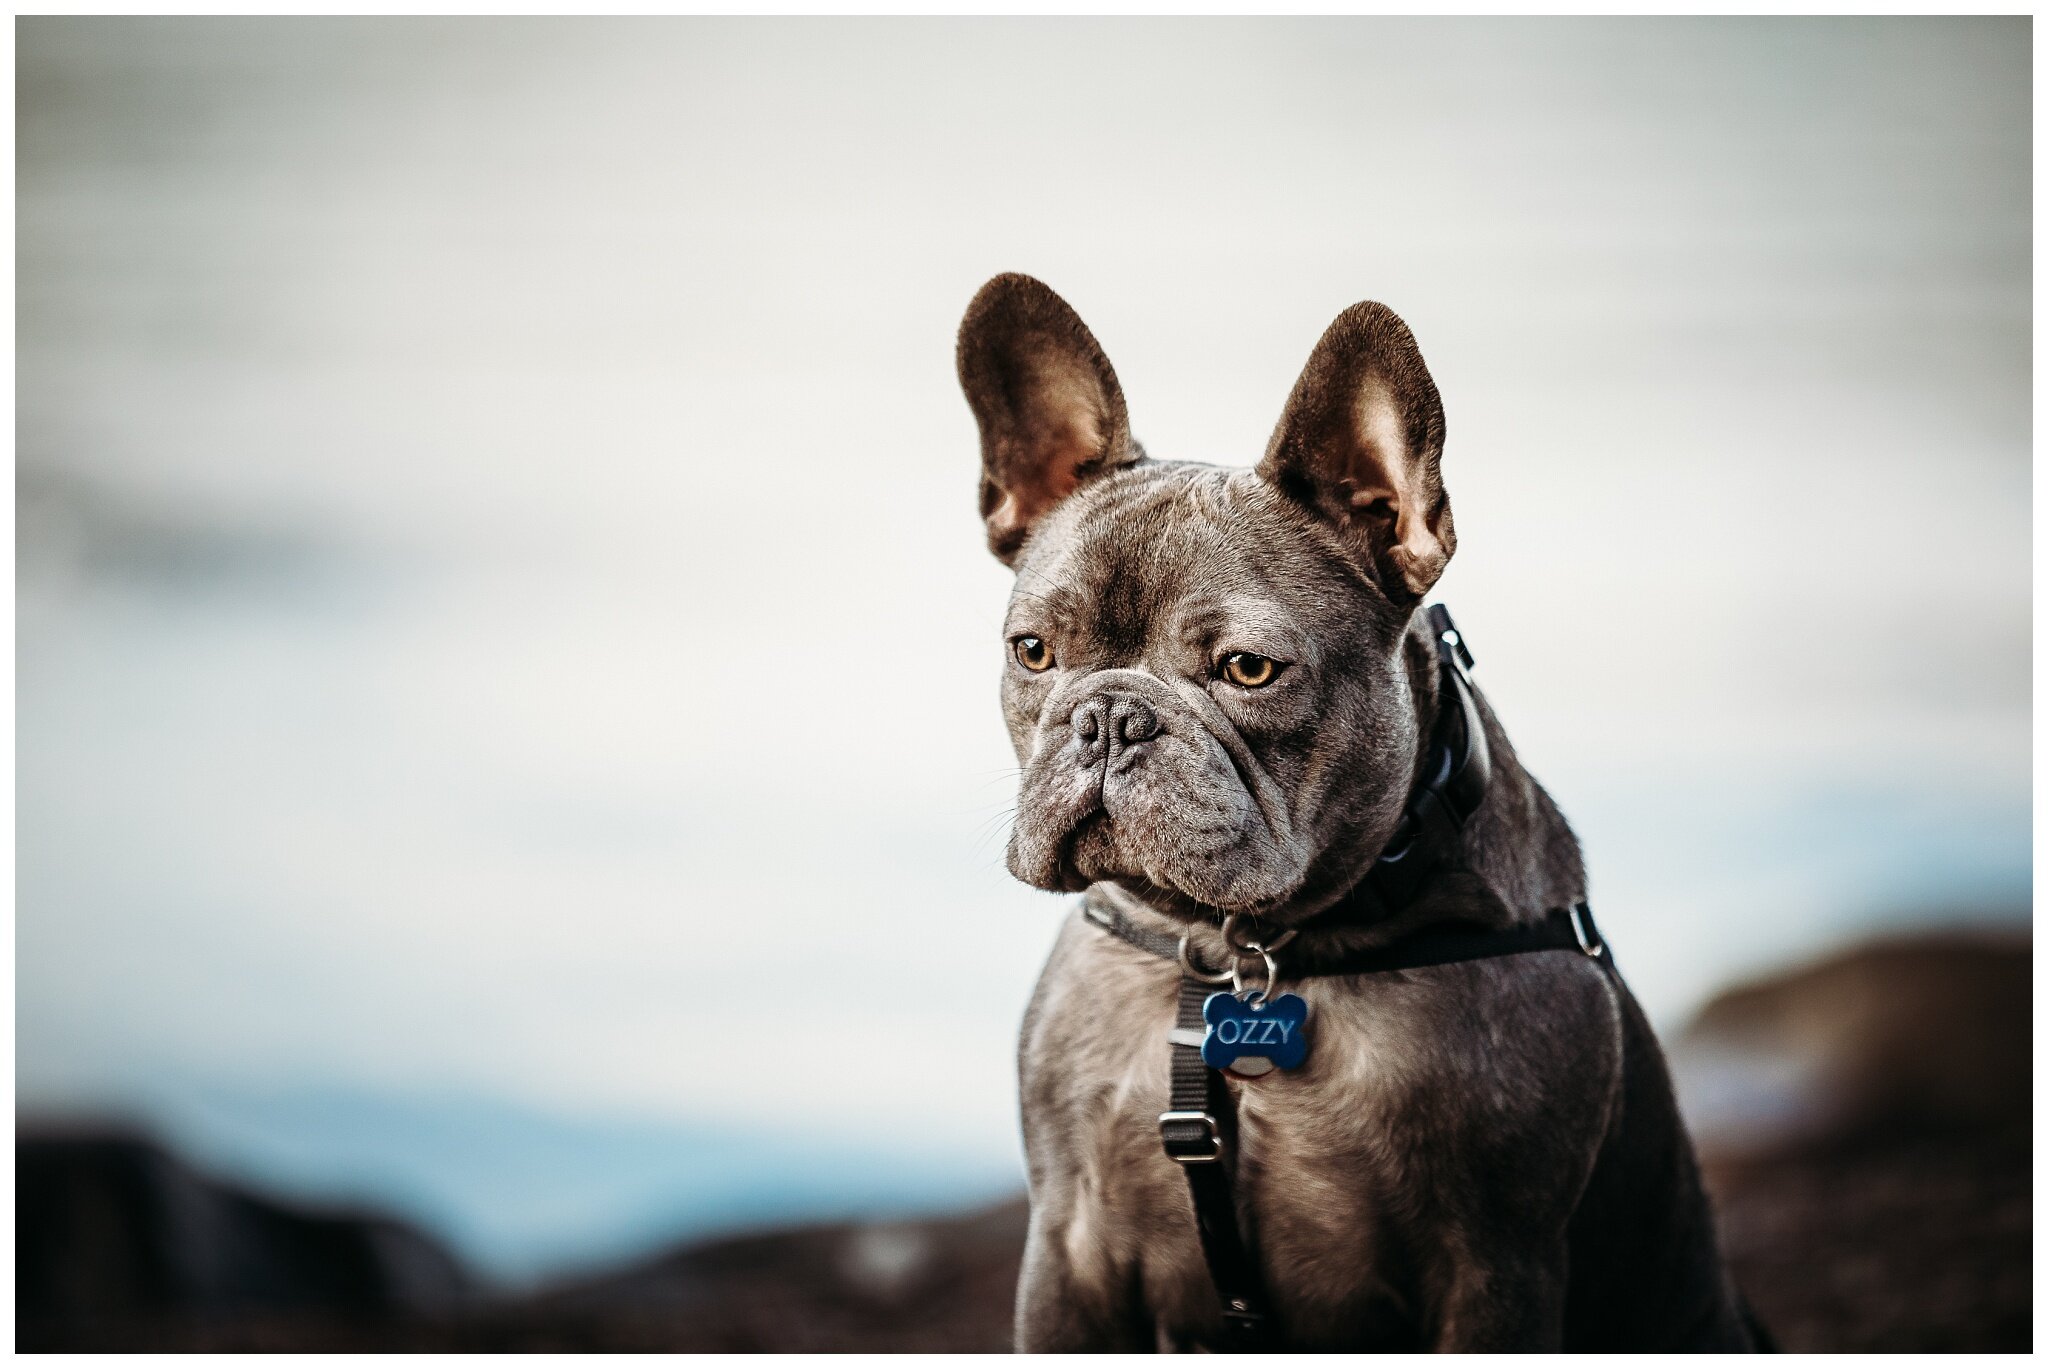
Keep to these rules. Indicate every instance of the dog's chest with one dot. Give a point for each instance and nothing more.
(1322, 1153)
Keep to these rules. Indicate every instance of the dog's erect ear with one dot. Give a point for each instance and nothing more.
(1360, 442)
(1050, 410)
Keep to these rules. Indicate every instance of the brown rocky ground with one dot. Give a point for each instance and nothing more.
(1873, 1159)
(1866, 1125)
(1908, 1245)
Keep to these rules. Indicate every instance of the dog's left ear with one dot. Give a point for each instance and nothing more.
(1360, 443)
(1050, 409)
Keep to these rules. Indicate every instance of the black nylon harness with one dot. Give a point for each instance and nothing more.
(1198, 1129)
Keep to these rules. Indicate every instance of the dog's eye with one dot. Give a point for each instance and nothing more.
(1032, 653)
(1248, 671)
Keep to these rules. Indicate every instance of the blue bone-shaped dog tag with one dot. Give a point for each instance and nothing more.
(1277, 1030)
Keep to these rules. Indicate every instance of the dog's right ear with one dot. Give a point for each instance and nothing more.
(1050, 410)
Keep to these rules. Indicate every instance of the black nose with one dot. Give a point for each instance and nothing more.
(1133, 720)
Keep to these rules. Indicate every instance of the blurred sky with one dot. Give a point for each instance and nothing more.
(501, 612)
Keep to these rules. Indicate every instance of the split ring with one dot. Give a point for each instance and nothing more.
(1249, 947)
(1272, 979)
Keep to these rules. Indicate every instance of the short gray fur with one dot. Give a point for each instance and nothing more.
(1476, 1156)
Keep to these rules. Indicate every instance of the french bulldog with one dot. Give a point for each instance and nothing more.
(1220, 689)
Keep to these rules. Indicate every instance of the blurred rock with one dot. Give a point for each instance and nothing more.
(942, 1284)
(1865, 1125)
(1919, 1034)
(115, 1237)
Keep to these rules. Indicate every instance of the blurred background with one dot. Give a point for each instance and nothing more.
(510, 791)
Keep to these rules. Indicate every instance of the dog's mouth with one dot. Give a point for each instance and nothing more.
(1093, 852)
(1088, 853)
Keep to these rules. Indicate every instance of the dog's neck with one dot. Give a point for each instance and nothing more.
(1516, 856)
(1517, 843)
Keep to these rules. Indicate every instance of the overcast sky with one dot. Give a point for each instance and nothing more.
(501, 599)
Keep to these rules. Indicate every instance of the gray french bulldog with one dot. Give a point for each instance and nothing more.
(1220, 690)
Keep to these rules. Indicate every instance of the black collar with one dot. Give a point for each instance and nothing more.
(1560, 929)
(1455, 776)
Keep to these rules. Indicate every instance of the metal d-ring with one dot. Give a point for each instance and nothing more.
(1249, 947)
(1272, 978)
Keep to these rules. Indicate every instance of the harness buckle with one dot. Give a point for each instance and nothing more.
(1450, 642)
(1190, 1138)
(1588, 935)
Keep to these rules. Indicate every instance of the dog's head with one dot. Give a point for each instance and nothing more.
(1209, 679)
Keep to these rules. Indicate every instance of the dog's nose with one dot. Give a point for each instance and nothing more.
(1133, 720)
(1112, 722)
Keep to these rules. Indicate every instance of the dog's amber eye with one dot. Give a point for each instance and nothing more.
(1248, 671)
(1032, 653)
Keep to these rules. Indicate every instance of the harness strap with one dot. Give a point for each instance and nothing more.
(1199, 1128)
(1117, 925)
(1197, 1131)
